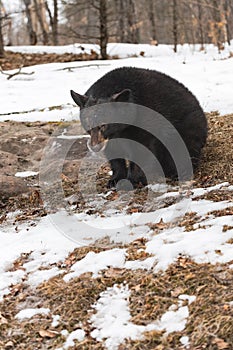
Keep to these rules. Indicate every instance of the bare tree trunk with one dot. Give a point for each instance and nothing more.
(227, 12)
(2, 52)
(31, 32)
(121, 21)
(55, 22)
(200, 23)
(41, 19)
(175, 25)
(152, 21)
(103, 18)
(133, 32)
(53, 18)
(9, 31)
(217, 23)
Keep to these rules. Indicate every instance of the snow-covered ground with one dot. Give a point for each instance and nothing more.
(210, 78)
(208, 242)
(208, 74)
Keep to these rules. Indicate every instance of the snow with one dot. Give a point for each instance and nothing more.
(201, 244)
(39, 276)
(95, 262)
(78, 335)
(56, 320)
(29, 313)
(123, 50)
(174, 321)
(184, 340)
(26, 173)
(45, 246)
(189, 298)
(207, 74)
(112, 318)
(58, 234)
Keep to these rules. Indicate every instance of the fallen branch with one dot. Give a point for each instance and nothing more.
(11, 75)
(84, 66)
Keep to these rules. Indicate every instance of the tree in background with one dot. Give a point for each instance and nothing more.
(5, 28)
(132, 21)
(227, 12)
(2, 52)
(103, 28)
(175, 24)
(30, 27)
(89, 21)
(133, 25)
(38, 13)
(200, 24)
(152, 20)
(53, 18)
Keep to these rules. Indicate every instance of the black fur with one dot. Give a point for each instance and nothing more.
(160, 93)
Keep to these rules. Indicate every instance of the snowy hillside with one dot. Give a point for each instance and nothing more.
(208, 75)
(149, 269)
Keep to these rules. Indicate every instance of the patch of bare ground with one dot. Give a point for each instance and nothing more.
(24, 143)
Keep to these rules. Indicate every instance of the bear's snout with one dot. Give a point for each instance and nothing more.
(97, 142)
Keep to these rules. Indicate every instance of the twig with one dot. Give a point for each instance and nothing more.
(11, 75)
(84, 66)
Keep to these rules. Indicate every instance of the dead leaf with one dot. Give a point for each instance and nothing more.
(3, 320)
(226, 307)
(113, 196)
(221, 344)
(113, 272)
(136, 288)
(65, 178)
(176, 292)
(133, 210)
(226, 228)
(159, 225)
(139, 241)
(183, 262)
(35, 198)
(9, 344)
(48, 334)
(70, 260)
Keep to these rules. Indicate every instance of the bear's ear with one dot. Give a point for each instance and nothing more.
(123, 96)
(80, 100)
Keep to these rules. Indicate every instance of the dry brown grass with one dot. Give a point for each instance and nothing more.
(211, 316)
(217, 160)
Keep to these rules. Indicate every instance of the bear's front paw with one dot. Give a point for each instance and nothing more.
(121, 185)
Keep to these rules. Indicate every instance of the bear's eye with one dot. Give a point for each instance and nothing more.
(103, 128)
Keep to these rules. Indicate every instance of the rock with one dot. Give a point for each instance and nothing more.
(23, 148)
(12, 186)
(8, 163)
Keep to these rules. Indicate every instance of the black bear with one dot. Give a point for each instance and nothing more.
(175, 111)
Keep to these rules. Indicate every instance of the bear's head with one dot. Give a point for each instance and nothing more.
(99, 117)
